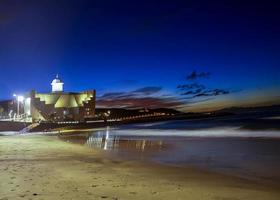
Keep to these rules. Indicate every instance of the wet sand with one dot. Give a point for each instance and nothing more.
(43, 167)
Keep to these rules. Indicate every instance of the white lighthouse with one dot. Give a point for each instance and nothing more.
(57, 85)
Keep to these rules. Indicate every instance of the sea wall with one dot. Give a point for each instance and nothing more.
(12, 126)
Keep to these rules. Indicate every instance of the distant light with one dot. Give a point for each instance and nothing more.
(14, 95)
(20, 98)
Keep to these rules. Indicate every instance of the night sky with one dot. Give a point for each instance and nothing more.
(190, 55)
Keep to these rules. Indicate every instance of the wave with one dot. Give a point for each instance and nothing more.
(220, 132)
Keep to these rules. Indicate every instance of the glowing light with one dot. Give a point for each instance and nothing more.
(106, 139)
(27, 106)
(57, 85)
(20, 98)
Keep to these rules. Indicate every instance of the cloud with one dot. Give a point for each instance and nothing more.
(203, 92)
(192, 92)
(145, 91)
(214, 92)
(194, 102)
(139, 98)
(148, 90)
(196, 75)
(139, 102)
(191, 86)
(113, 95)
(196, 90)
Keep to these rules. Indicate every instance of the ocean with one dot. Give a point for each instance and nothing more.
(204, 144)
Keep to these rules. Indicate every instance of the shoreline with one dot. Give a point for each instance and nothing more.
(241, 122)
(129, 157)
(46, 167)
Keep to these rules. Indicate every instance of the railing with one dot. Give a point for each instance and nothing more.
(21, 118)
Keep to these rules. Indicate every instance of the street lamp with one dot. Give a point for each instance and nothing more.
(20, 99)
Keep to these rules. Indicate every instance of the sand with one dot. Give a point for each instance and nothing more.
(43, 167)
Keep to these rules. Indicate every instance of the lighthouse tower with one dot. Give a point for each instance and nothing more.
(57, 85)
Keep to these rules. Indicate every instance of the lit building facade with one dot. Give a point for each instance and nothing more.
(59, 105)
(57, 85)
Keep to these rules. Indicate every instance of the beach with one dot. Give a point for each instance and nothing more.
(43, 167)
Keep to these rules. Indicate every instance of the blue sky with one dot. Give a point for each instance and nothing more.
(123, 46)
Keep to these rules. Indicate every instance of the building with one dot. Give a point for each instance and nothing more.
(57, 106)
(6, 109)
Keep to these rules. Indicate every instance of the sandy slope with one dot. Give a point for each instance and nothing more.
(41, 167)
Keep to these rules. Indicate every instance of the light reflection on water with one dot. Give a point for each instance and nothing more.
(251, 157)
(115, 142)
(110, 140)
(103, 141)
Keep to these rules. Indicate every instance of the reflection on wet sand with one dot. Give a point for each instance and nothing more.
(108, 140)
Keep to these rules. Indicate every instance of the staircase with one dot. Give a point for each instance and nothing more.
(28, 128)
